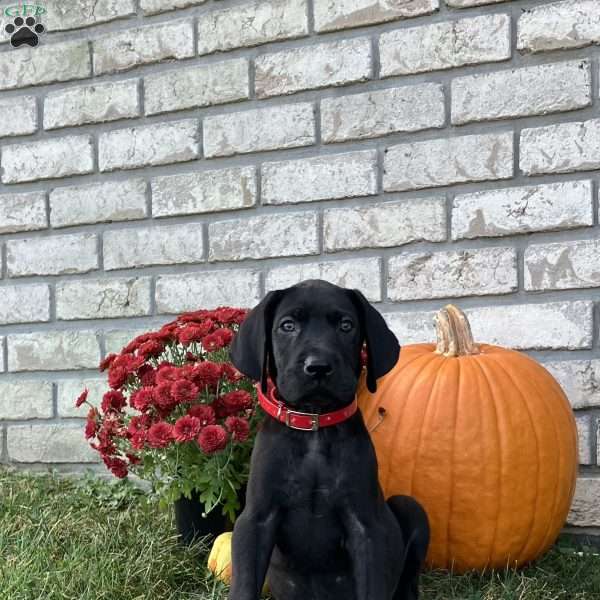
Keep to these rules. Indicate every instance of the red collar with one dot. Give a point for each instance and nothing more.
(300, 420)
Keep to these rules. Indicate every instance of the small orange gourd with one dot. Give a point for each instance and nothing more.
(484, 438)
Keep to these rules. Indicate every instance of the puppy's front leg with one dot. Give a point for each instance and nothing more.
(252, 545)
(367, 555)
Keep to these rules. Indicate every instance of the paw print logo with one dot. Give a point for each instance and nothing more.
(24, 31)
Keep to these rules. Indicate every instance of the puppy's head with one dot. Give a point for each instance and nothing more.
(308, 339)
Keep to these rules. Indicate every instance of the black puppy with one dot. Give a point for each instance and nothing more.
(315, 516)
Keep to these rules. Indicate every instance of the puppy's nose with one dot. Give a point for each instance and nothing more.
(317, 367)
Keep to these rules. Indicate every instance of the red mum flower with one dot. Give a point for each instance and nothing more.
(167, 333)
(184, 391)
(167, 373)
(235, 401)
(82, 398)
(147, 375)
(231, 315)
(142, 399)
(138, 422)
(134, 459)
(207, 374)
(194, 332)
(238, 427)
(186, 429)
(136, 343)
(117, 377)
(151, 349)
(160, 435)
(138, 440)
(91, 428)
(162, 396)
(107, 362)
(113, 400)
(117, 466)
(204, 413)
(217, 339)
(212, 439)
(129, 362)
(231, 373)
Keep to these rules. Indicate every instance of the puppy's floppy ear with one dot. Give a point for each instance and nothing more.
(383, 348)
(251, 346)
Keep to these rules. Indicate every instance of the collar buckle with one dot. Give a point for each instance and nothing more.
(314, 418)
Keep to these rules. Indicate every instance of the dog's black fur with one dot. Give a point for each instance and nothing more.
(315, 517)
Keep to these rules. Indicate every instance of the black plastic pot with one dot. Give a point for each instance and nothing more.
(191, 525)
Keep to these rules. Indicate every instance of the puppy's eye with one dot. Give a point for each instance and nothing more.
(346, 325)
(287, 325)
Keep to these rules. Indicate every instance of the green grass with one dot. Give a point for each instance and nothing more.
(90, 540)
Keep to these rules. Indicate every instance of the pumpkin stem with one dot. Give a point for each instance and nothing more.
(454, 337)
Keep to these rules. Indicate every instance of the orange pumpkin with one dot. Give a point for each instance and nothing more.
(484, 438)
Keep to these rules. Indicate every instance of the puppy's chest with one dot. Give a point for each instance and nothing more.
(315, 477)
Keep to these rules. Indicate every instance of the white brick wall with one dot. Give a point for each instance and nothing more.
(166, 155)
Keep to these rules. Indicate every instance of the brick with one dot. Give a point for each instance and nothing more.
(204, 192)
(412, 327)
(172, 244)
(18, 116)
(149, 145)
(546, 207)
(443, 162)
(53, 351)
(598, 442)
(385, 224)
(279, 234)
(57, 62)
(535, 90)
(103, 298)
(23, 212)
(322, 178)
(313, 67)
(48, 159)
(331, 15)
(152, 7)
(469, 3)
(132, 47)
(278, 127)
(359, 273)
(210, 289)
(562, 265)
(68, 390)
(580, 380)
(584, 434)
(49, 444)
(92, 104)
(377, 113)
(557, 25)
(561, 148)
(25, 304)
(204, 85)
(22, 400)
(418, 275)
(585, 508)
(261, 22)
(550, 326)
(62, 15)
(56, 255)
(445, 45)
(98, 203)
